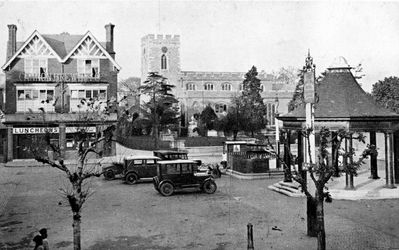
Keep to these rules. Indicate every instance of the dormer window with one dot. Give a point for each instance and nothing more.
(36, 67)
(164, 64)
(89, 67)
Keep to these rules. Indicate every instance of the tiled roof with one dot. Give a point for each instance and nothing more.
(62, 43)
(340, 96)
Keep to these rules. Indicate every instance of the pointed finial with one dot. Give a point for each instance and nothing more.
(309, 62)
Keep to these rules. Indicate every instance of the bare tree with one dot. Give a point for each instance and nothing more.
(78, 192)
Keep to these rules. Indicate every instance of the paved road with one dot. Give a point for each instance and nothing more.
(120, 216)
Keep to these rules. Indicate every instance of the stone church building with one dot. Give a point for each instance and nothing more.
(197, 89)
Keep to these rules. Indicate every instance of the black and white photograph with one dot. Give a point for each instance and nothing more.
(210, 125)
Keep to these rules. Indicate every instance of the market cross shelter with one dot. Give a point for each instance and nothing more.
(47, 76)
(342, 103)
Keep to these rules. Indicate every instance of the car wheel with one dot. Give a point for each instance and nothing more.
(166, 189)
(209, 187)
(109, 174)
(131, 178)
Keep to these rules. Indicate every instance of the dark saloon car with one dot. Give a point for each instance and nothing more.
(139, 167)
(181, 174)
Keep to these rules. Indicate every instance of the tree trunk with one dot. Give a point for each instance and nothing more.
(321, 234)
(76, 231)
(156, 138)
(235, 135)
(311, 216)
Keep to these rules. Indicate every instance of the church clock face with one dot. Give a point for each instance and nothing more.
(164, 49)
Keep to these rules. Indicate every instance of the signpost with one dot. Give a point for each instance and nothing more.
(309, 98)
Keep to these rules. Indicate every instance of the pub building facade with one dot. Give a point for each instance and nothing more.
(47, 76)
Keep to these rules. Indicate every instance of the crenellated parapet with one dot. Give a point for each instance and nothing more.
(160, 39)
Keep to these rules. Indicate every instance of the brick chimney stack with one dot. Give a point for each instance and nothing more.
(109, 35)
(12, 40)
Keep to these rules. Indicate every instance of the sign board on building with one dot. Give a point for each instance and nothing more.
(236, 148)
(308, 87)
(51, 130)
(76, 129)
(42, 130)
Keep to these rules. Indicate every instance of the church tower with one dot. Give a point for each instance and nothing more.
(161, 54)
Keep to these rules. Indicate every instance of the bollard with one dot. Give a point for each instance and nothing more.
(250, 237)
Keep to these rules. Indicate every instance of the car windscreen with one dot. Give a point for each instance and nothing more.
(170, 169)
(185, 168)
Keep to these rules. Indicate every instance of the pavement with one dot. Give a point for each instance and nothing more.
(365, 188)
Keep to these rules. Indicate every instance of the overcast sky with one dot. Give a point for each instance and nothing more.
(227, 35)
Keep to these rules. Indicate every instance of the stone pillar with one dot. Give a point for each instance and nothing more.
(10, 144)
(334, 148)
(287, 157)
(373, 158)
(278, 163)
(396, 155)
(300, 158)
(62, 140)
(389, 160)
(350, 185)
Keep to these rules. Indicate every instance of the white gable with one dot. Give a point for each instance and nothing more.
(36, 48)
(35, 45)
(88, 49)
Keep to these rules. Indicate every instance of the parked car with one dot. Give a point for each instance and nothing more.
(174, 155)
(181, 174)
(112, 166)
(139, 167)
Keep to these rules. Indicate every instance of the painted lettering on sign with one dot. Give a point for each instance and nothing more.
(42, 130)
(308, 87)
(76, 129)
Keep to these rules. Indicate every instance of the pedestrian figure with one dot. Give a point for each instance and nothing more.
(43, 233)
(39, 242)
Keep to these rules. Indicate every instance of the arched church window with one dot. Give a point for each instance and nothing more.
(270, 113)
(262, 88)
(164, 62)
(190, 86)
(208, 86)
(226, 86)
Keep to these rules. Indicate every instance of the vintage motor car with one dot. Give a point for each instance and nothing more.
(139, 167)
(112, 166)
(181, 174)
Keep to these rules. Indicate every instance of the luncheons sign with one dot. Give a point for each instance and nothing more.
(51, 130)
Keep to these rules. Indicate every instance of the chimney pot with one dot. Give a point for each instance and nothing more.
(12, 40)
(109, 35)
